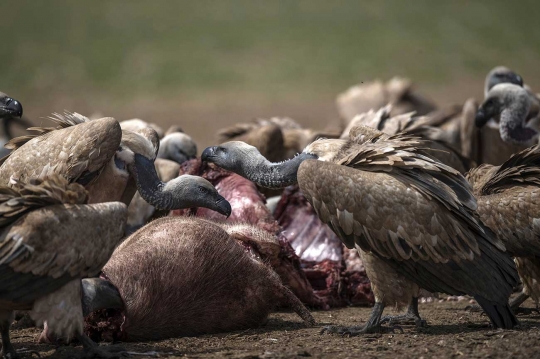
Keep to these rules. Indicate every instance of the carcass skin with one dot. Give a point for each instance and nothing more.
(171, 279)
(248, 206)
(336, 273)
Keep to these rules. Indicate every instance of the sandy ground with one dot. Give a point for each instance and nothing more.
(452, 333)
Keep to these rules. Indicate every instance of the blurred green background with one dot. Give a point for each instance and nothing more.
(205, 64)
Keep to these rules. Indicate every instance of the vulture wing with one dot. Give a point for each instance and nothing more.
(388, 197)
(509, 197)
(79, 150)
(43, 250)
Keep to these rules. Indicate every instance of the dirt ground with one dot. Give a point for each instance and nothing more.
(451, 333)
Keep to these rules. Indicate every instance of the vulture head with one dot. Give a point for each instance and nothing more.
(508, 105)
(501, 75)
(177, 147)
(10, 109)
(247, 161)
(136, 157)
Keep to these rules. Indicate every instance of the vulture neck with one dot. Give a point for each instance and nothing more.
(152, 189)
(512, 123)
(274, 175)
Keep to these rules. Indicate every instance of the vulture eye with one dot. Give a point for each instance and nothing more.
(203, 190)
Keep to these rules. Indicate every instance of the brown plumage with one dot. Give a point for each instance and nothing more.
(397, 92)
(110, 162)
(277, 138)
(424, 127)
(391, 199)
(43, 256)
(509, 203)
(181, 276)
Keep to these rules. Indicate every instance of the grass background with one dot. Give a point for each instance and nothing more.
(207, 63)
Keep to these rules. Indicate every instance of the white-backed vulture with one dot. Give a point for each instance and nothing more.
(276, 138)
(504, 92)
(501, 75)
(50, 239)
(373, 95)
(178, 147)
(509, 203)
(418, 126)
(111, 163)
(10, 109)
(136, 124)
(185, 276)
(411, 217)
(140, 211)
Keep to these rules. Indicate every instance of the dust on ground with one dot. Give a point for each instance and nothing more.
(451, 333)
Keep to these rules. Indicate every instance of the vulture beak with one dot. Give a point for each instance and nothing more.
(12, 107)
(481, 118)
(518, 80)
(223, 206)
(208, 153)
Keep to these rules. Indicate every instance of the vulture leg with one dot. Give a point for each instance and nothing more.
(8, 351)
(373, 325)
(412, 316)
(515, 305)
(7, 348)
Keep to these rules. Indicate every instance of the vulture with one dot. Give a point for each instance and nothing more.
(43, 255)
(413, 125)
(136, 124)
(508, 119)
(412, 218)
(276, 138)
(140, 211)
(110, 162)
(509, 203)
(178, 147)
(10, 109)
(397, 92)
(512, 110)
(185, 276)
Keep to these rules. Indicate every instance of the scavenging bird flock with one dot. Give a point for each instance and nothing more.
(117, 231)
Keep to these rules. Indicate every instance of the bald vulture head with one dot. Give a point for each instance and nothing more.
(10, 109)
(508, 105)
(247, 161)
(136, 156)
(501, 75)
(177, 147)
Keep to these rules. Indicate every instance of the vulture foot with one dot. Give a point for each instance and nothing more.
(526, 311)
(373, 325)
(15, 354)
(412, 316)
(515, 305)
(362, 329)
(408, 318)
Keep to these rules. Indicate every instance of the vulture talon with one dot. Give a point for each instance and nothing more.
(526, 311)
(412, 316)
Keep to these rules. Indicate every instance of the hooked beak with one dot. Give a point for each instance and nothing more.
(208, 153)
(518, 80)
(12, 107)
(481, 118)
(223, 206)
